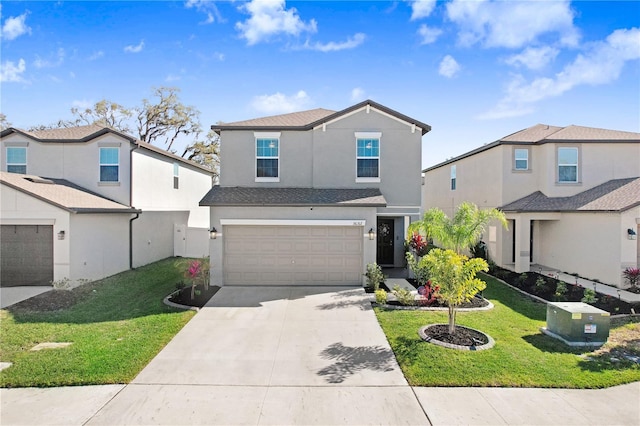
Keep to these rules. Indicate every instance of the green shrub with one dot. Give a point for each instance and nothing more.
(374, 276)
(404, 296)
(589, 296)
(419, 269)
(381, 296)
(561, 291)
(541, 285)
(522, 278)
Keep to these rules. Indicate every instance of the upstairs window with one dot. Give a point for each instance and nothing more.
(176, 175)
(368, 156)
(17, 160)
(453, 178)
(521, 159)
(567, 164)
(109, 164)
(267, 159)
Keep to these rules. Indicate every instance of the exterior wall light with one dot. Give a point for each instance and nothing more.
(372, 234)
(631, 234)
(213, 233)
(61, 235)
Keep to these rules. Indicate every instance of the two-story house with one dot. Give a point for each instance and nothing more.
(312, 197)
(77, 185)
(571, 194)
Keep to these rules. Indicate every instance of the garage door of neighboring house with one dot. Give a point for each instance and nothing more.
(293, 255)
(26, 256)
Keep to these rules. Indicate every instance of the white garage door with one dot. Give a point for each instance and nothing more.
(293, 255)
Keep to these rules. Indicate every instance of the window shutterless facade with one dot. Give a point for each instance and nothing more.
(17, 159)
(267, 157)
(368, 156)
(567, 164)
(109, 164)
(521, 159)
(453, 178)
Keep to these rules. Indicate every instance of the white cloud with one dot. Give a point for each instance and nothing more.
(429, 35)
(135, 49)
(15, 26)
(534, 58)
(172, 77)
(602, 63)
(209, 8)
(358, 94)
(422, 8)
(448, 67)
(512, 24)
(279, 103)
(96, 55)
(10, 72)
(332, 46)
(50, 63)
(82, 104)
(269, 18)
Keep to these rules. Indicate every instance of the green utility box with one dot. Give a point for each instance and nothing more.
(577, 323)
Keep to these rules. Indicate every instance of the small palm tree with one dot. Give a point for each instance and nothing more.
(450, 269)
(462, 231)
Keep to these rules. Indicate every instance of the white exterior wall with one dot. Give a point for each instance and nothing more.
(585, 243)
(95, 246)
(76, 162)
(365, 215)
(153, 187)
(153, 234)
(99, 245)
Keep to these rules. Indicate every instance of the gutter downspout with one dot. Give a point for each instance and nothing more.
(136, 146)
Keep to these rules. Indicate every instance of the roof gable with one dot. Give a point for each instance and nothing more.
(307, 120)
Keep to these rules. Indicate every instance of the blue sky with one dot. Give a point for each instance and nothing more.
(474, 70)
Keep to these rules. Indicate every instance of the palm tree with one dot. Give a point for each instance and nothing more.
(449, 269)
(462, 231)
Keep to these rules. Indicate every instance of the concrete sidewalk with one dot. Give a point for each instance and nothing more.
(302, 356)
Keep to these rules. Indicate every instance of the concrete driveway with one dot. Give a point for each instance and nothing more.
(283, 355)
(12, 295)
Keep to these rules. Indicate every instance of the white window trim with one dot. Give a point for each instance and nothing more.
(528, 168)
(265, 135)
(369, 135)
(26, 159)
(100, 164)
(577, 166)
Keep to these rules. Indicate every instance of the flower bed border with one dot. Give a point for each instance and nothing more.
(432, 308)
(490, 344)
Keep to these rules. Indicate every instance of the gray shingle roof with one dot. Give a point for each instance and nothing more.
(80, 134)
(614, 195)
(245, 196)
(307, 120)
(543, 133)
(63, 194)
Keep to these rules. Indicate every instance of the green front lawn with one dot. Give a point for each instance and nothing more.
(118, 325)
(522, 356)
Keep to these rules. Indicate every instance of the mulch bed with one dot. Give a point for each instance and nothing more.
(53, 300)
(462, 337)
(476, 302)
(202, 296)
(545, 287)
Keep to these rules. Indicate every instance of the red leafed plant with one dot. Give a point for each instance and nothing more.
(197, 271)
(632, 275)
(418, 244)
(428, 293)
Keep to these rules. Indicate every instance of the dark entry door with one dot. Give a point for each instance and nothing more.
(385, 242)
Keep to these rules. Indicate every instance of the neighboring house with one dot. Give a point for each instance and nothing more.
(312, 197)
(571, 194)
(164, 188)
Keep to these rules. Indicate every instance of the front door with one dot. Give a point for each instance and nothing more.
(385, 242)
